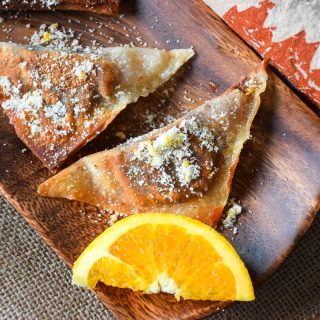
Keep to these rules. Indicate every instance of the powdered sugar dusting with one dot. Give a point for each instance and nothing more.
(57, 38)
(45, 4)
(171, 155)
(59, 112)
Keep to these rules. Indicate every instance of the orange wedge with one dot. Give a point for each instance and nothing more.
(168, 253)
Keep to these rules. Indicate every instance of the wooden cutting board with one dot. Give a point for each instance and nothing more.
(277, 179)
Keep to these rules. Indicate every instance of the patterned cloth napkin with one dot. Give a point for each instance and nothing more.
(286, 31)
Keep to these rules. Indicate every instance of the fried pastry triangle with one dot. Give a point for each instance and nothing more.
(184, 168)
(110, 7)
(58, 101)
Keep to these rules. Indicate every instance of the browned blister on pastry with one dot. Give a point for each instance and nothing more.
(110, 7)
(58, 101)
(184, 168)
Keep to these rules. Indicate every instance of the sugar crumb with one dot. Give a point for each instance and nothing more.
(234, 210)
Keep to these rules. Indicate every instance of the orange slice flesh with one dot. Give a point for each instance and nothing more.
(168, 253)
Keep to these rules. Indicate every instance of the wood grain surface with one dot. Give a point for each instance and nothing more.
(277, 179)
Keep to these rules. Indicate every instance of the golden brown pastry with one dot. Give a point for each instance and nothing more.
(58, 101)
(110, 7)
(184, 168)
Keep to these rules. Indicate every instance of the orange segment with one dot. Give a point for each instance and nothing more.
(114, 273)
(168, 253)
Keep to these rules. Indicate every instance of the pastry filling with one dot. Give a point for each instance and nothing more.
(180, 161)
